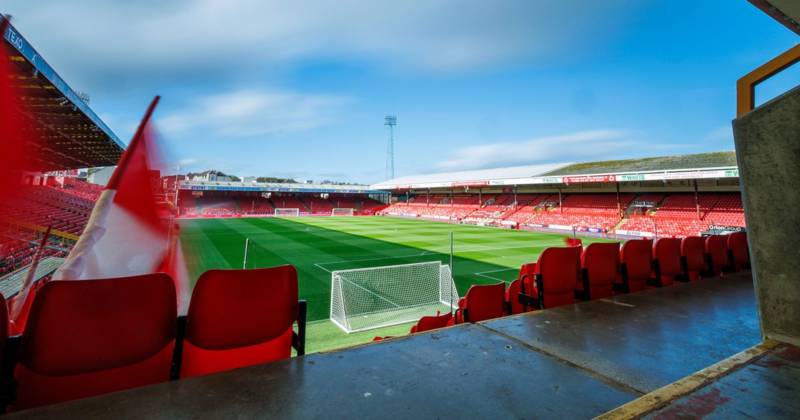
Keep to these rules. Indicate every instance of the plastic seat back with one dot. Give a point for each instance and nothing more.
(717, 253)
(239, 318)
(667, 261)
(558, 269)
(526, 274)
(427, 323)
(693, 256)
(636, 259)
(739, 253)
(485, 301)
(600, 264)
(91, 337)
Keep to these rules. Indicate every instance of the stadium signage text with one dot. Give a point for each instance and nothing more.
(589, 179)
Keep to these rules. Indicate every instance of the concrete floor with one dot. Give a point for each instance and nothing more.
(571, 362)
(767, 388)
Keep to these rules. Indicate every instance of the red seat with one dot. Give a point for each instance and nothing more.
(738, 251)
(427, 323)
(91, 337)
(240, 318)
(667, 261)
(482, 302)
(693, 257)
(573, 242)
(717, 254)
(555, 278)
(513, 305)
(635, 265)
(599, 269)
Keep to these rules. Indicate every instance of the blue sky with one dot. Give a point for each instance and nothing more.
(300, 89)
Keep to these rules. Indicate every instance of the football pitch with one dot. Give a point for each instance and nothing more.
(318, 245)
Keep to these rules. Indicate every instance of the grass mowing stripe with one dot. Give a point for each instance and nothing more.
(318, 245)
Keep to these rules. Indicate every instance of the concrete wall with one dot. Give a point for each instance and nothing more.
(768, 151)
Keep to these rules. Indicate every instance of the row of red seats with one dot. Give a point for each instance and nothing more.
(91, 337)
(563, 275)
(48, 206)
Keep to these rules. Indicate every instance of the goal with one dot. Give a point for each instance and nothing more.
(342, 212)
(287, 212)
(368, 298)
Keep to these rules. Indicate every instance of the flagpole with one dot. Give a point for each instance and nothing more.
(246, 245)
(22, 297)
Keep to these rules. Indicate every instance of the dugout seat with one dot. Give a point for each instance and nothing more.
(738, 253)
(555, 277)
(599, 271)
(240, 318)
(693, 257)
(667, 261)
(427, 323)
(635, 265)
(716, 247)
(91, 337)
(573, 242)
(482, 302)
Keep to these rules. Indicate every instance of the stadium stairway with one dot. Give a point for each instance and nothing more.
(574, 361)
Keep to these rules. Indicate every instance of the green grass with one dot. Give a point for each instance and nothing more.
(318, 245)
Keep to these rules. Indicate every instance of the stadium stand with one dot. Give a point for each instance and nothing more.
(240, 318)
(47, 206)
(231, 204)
(662, 215)
(92, 337)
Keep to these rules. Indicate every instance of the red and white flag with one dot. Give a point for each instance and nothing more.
(128, 233)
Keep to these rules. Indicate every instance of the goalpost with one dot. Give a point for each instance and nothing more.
(287, 212)
(342, 212)
(368, 298)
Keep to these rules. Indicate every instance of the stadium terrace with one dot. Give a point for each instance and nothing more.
(655, 287)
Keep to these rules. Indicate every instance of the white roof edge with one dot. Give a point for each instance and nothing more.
(646, 175)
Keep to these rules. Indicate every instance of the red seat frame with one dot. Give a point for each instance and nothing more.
(636, 265)
(599, 270)
(482, 302)
(667, 261)
(240, 318)
(91, 337)
(693, 257)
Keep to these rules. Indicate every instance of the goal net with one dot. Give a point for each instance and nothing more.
(367, 298)
(342, 212)
(287, 212)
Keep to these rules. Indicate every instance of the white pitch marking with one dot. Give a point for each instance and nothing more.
(484, 273)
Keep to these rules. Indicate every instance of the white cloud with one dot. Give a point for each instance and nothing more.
(582, 145)
(249, 113)
(109, 40)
